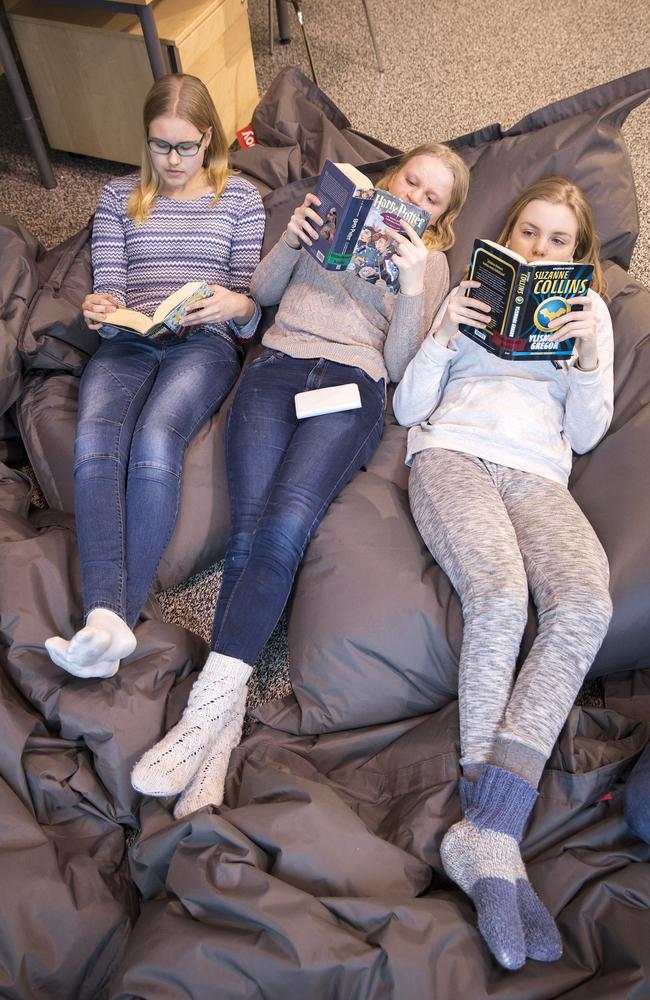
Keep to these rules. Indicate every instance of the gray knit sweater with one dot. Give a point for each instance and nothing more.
(338, 316)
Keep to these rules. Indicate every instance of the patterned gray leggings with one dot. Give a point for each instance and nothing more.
(497, 532)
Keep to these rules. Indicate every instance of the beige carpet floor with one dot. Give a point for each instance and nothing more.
(451, 67)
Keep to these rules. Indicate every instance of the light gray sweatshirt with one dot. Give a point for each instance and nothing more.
(526, 415)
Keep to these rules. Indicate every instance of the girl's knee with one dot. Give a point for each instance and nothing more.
(498, 597)
(157, 446)
(591, 606)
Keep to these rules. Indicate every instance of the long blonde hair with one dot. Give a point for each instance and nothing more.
(185, 97)
(440, 235)
(560, 191)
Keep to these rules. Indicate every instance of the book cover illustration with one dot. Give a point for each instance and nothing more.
(358, 221)
(373, 252)
(524, 300)
(166, 325)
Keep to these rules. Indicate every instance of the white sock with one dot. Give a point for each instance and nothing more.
(58, 652)
(207, 786)
(170, 764)
(96, 649)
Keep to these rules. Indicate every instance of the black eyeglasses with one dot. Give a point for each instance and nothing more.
(162, 148)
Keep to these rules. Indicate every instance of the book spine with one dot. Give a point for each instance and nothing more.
(517, 310)
(336, 194)
(352, 226)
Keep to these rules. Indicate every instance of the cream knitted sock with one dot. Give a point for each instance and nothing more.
(167, 767)
(207, 786)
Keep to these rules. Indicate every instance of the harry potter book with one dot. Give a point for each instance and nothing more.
(359, 223)
(524, 299)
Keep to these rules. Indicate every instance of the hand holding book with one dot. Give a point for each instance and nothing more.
(535, 306)
(580, 327)
(96, 307)
(167, 326)
(411, 260)
(223, 305)
(461, 309)
(359, 228)
(299, 228)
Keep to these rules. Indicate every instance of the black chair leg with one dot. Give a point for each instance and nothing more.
(298, 9)
(23, 107)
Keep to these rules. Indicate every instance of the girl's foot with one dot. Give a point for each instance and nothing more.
(481, 855)
(207, 786)
(96, 649)
(214, 700)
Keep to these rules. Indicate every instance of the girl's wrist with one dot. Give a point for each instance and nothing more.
(287, 239)
(444, 334)
(242, 317)
(411, 292)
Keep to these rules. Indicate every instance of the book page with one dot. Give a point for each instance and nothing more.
(192, 291)
(129, 319)
(355, 175)
(506, 250)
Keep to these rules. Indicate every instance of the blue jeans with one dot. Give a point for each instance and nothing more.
(139, 406)
(283, 473)
(637, 797)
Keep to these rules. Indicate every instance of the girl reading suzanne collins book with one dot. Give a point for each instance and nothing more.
(490, 454)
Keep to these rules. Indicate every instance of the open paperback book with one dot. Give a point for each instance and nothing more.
(166, 325)
(524, 298)
(359, 223)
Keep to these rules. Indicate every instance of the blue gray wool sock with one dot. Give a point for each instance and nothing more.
(481, 855)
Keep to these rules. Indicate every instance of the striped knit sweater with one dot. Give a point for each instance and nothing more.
(181, 241)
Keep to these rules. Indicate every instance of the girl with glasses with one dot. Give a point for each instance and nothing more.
(185, 217)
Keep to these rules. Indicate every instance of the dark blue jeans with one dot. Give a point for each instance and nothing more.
(283, 473)
(139, 406)
(637, 797)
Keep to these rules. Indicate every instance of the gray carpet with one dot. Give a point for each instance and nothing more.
(450, 68)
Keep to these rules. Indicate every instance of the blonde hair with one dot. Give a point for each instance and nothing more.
(560, 191)
(185, 97)
(440, 235)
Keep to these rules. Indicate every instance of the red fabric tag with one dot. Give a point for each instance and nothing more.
(246, 137)
(607, 797)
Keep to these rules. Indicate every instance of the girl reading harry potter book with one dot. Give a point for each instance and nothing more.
(490, 450)
(331, 331)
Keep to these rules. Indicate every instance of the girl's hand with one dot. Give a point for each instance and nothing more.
(96, 307)
(221, 306)
(461, 309)
(299, 229)
(582, 326)
(411, 260)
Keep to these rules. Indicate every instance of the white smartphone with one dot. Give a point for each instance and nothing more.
(330, 400)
